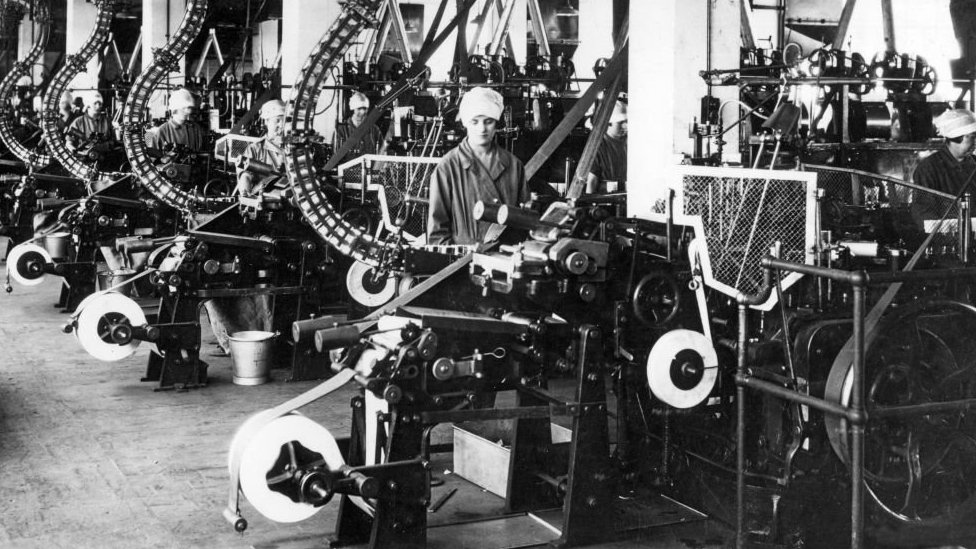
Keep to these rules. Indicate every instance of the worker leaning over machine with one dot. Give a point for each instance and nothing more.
(374, 142)
(949, 168)
(477, 169)
(180, 130)
(608, 174)
(266, 151)
(92, 129)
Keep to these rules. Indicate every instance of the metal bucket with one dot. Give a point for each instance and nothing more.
(108, 279)
(58, 245)
(251, 352)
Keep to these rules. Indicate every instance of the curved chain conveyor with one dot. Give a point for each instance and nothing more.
(135, 117)
(50, 115)
(327, 222)
(42, 16)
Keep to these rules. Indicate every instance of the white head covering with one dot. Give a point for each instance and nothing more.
(480, 102)
(619, 112)
(358, 100)
(956, 123)
(272, 108)
(91, 96)
(181, 99)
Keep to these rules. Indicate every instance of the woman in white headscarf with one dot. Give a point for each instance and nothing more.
(477, 169)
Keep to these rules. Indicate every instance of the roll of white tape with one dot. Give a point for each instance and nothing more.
(18, 259)
(682, 368)
(366, 291)
(259, 450)
(94, 320)
(861, 249)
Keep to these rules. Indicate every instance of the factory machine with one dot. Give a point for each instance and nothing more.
(779, 350)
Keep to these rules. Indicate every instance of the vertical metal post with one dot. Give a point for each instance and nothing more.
(740, 433)
(857, 427)
(965, 227)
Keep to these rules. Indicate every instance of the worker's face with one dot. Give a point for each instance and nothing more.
(964, 146)
(617, 129)
(180, 116)
(276, 127)
(359, 115)
(94, 108)
(481, 130)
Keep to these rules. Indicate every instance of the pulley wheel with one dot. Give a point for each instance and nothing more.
(682, 368)
(26, 263)
(96, 319)
(368, 289)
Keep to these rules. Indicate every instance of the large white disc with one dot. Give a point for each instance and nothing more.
(682, 368)
(366, 291)
(260, 448)
(20, 257)
(93, 320)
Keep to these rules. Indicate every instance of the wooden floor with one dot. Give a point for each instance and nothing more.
(91, 457)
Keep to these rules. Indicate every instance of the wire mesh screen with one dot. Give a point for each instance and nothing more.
(231, 147)
(919, 208)
(403, 186)
(741, 214)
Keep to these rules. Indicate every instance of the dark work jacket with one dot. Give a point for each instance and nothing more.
(610, 163)
(371, 143)
(940, 171)
(190, 135)
(459, 181)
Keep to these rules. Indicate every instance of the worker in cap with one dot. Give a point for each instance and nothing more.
(948, 168)
(180, 129)
(608, 173)
(268, 152)
(476, 170)
(372, 142)
(66, 111)
(91, 133)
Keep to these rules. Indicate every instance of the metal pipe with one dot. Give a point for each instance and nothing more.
(843, 24)
(770, 262)
(857, 428)
(923, 409)
(888, 23)
(965, 228)
(825, 406)
(740, 430)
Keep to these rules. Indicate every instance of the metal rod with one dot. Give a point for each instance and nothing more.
(924, 409)
(888, 22)
(843, 25)
(857, 428)
(740, 431)
(746, 380)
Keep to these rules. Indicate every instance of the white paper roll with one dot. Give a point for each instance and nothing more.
(91, 325)
(659, 368)
(260, 450)
(16, 254)
(356, 283)
(861, 249)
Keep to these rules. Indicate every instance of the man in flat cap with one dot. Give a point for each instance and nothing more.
(374, 142)
(947, 169)
(266, 151)
(477, 169)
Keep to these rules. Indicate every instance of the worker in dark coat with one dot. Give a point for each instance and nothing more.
(374, 142)
(92, 130)
(179, 129)
(267, 151)
(477, 169)
(608, 173)
(950, 167)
